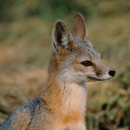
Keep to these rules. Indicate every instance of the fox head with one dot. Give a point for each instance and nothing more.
(73, 57)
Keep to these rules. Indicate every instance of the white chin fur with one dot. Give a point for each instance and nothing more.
(104, 77)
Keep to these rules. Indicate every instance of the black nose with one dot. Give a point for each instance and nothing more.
(112, 72)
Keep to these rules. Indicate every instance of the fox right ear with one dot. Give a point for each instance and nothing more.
(61, 37)
(79, 29)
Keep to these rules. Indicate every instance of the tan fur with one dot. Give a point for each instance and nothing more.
(17, 122)
(58, 96)
(62, 105)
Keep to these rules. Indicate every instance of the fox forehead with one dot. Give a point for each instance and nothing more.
(85, 50)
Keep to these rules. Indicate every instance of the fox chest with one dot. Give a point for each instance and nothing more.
(74, 103)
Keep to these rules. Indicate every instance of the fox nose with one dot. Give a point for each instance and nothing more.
(112, 73)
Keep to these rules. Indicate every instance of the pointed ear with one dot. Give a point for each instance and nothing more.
(79, 28)
(61, 38)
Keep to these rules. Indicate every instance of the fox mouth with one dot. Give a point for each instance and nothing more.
(97, 79)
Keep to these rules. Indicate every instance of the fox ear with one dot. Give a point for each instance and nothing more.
(79, 29)
(61, 38)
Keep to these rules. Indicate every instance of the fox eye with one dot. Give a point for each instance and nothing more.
(86, 63)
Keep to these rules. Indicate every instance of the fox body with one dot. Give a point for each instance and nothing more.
(61, 106)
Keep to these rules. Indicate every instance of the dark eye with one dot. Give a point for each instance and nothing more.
(86, 63)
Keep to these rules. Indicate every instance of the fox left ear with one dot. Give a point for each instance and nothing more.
(61, 37)
(79, 29)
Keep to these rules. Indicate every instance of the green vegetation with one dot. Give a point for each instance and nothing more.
(25, 41)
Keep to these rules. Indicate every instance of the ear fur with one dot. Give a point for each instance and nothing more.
(79, 28)
(60, 36)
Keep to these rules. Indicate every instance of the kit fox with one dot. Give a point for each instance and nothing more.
(61, 106)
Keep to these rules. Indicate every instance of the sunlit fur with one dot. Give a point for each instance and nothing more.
(61, 106)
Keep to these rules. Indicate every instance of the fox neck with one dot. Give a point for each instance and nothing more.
(64, 96)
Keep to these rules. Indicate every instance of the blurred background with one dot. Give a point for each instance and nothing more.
(25, 44)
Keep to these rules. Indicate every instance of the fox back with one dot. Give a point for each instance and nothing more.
(61, 106)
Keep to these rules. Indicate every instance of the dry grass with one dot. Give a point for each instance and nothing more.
(17, 89)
